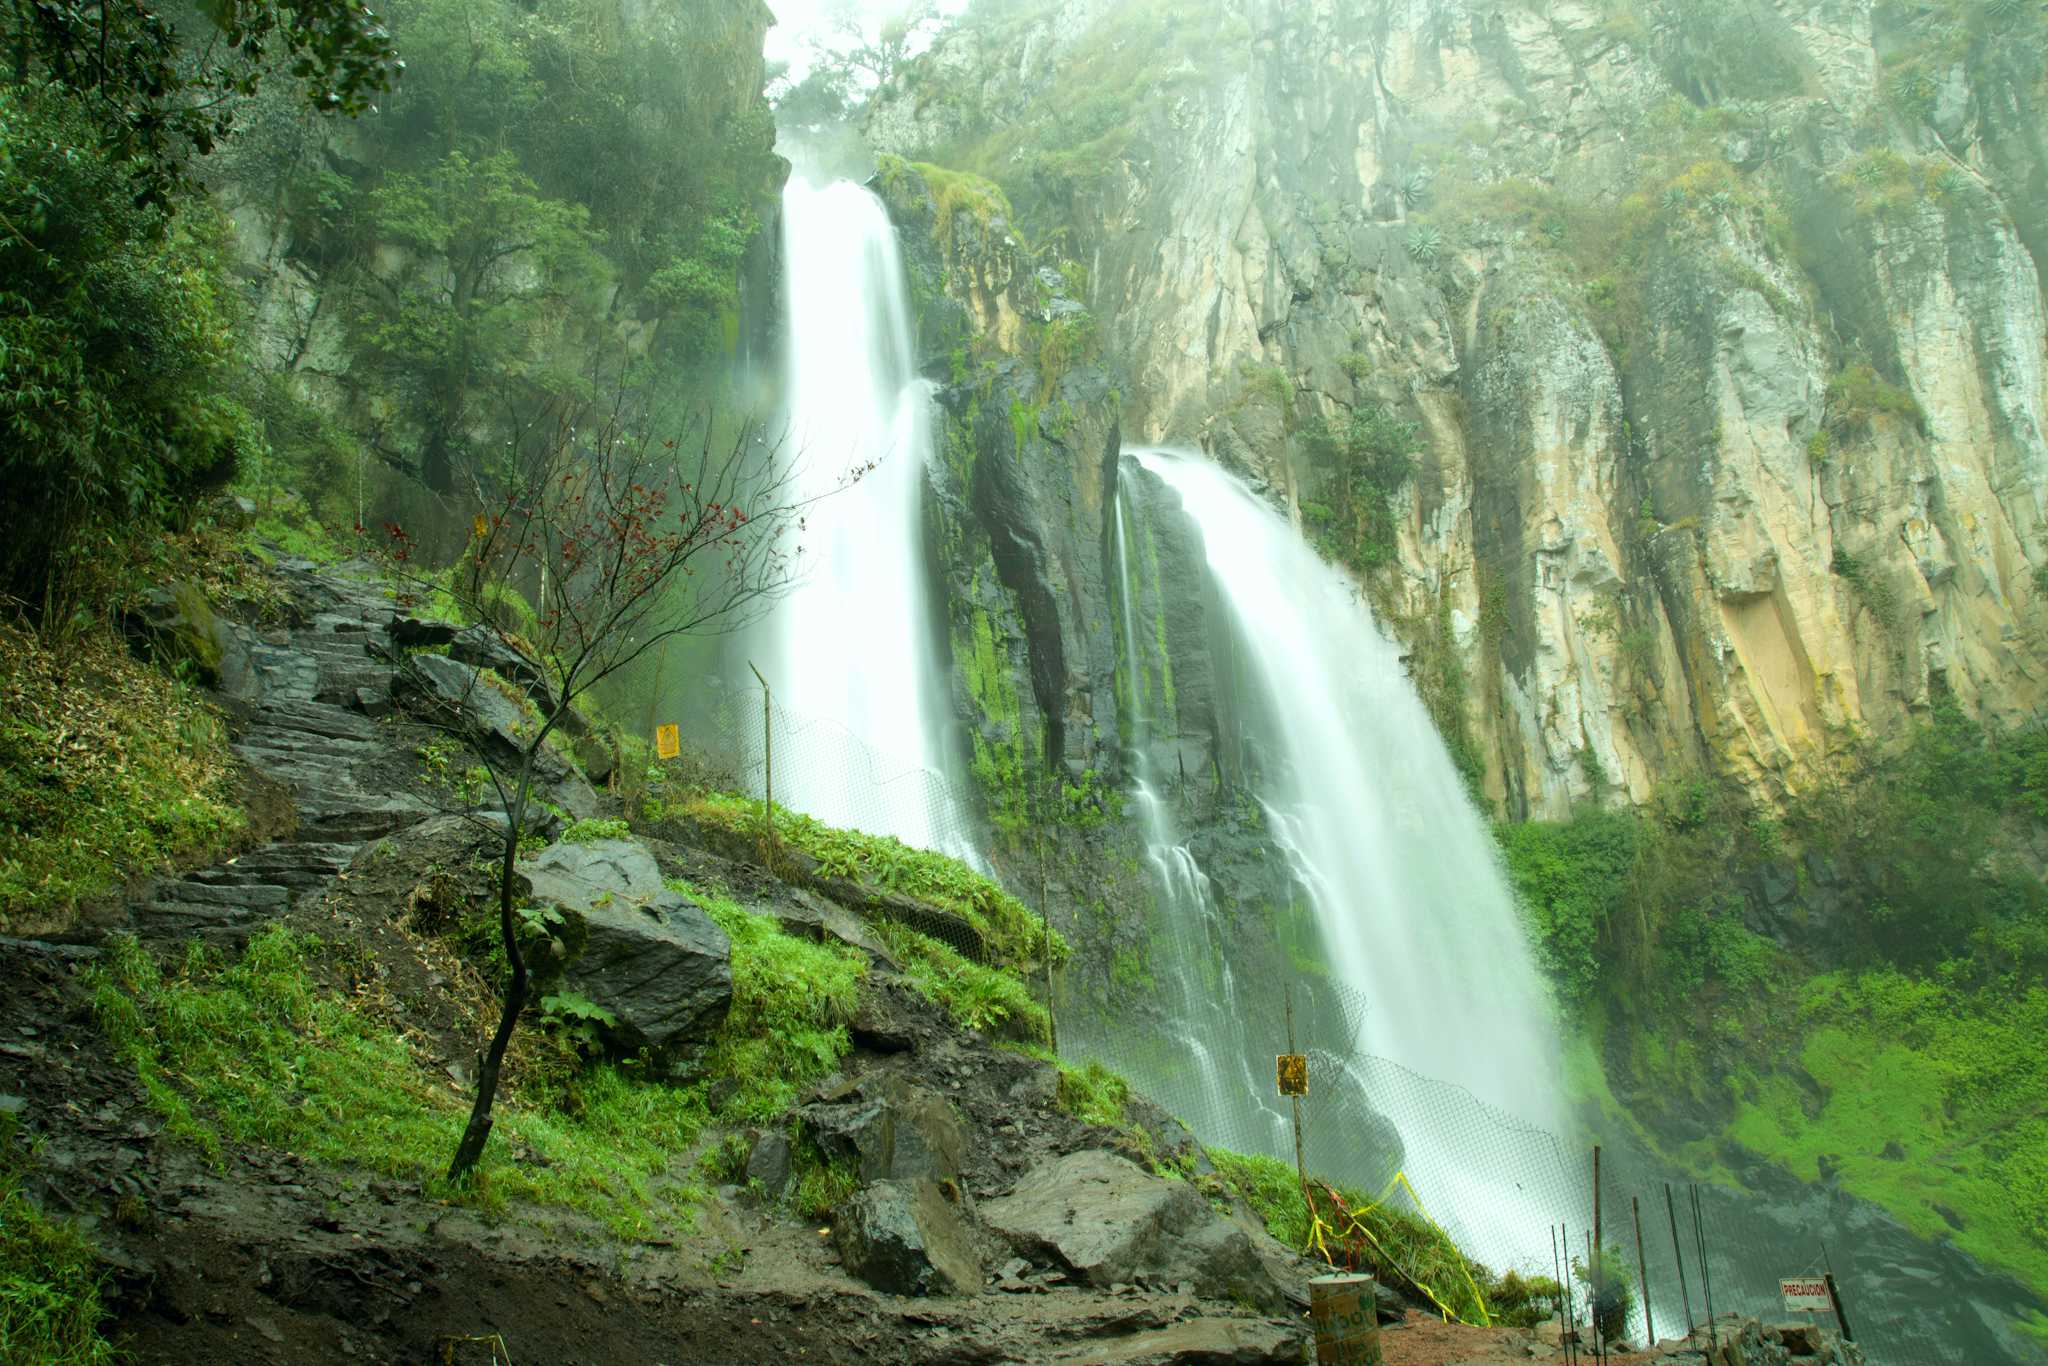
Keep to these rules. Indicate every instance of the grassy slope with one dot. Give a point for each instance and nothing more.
(1898, 1051)
(108, 768)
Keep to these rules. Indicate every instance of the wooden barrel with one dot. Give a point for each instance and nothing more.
(1346, 1315)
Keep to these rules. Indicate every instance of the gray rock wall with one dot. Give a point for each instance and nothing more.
(1617, 262)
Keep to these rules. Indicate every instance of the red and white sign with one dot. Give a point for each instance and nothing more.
(1805, 1292)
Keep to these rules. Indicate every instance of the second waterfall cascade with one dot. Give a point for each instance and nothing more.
(850, 652)
(1410, 910)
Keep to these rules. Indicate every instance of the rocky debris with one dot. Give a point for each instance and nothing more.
(905, 1238)
(1172, 1142)
(1737, 1340)
(649, 956)
(410, 632)
(890, 1130)
(809, 916)
(447, 691)
(770, 1165)
(881, 1024)
(1207, 1341)
(1108, 1222)
(482, 648)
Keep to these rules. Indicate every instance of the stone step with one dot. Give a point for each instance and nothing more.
(249, 896)
(300, 854)
(316, 718)
(287, 747)
(363, 824)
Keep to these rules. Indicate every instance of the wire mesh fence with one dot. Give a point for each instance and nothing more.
(1505, 1190)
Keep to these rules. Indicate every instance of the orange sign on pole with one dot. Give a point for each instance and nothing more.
(1293, 1073)
(668, 741)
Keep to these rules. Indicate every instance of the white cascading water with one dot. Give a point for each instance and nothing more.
(1212, 1052)
(851, 646)
(1410, 897)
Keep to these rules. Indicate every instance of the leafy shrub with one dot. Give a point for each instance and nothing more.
(113, 336)
(1858, 398)
(1570, 879)
(1364, 462)
(1425, 245)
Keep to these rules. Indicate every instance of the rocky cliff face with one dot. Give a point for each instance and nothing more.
(1722, 327)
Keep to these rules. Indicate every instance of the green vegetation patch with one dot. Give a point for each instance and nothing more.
(1889, 1043)
(108, 768)
(989, 999)
(1012, 932)
(791, 1001)
(1931, 1101)
(50, 1278)
(1858, 399)
(258, 1052)
(1363, 461)
(1400, 1248)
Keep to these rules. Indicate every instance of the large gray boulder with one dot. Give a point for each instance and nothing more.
(649, 955)
(1109, 1222)
(903, 1237)
(893, 1131)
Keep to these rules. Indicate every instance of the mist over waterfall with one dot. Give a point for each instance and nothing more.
(849, 652)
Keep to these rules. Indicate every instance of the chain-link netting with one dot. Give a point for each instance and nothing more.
(1203, 1044)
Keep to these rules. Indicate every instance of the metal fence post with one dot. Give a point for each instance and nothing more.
(767, 754)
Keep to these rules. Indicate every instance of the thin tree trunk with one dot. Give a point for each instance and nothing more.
(478, 1133)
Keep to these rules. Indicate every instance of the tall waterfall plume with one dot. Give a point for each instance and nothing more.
(1409, 896)
(850, 652)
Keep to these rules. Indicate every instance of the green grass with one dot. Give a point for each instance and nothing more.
(594, 830)
(50, 1279)
(1012, 932)
(791, 1001)
(1399, 1248)
(108, 768)
(256, 1052)
(990, 1000)
(1093, 1094)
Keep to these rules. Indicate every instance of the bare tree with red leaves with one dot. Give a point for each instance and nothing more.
(631, 543)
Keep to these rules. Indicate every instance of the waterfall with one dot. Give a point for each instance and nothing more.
(1211, 1077)
(1407, 888)
(849, 652)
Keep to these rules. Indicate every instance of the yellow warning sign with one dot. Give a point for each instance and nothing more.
(668, 741)
(1293, 1073)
